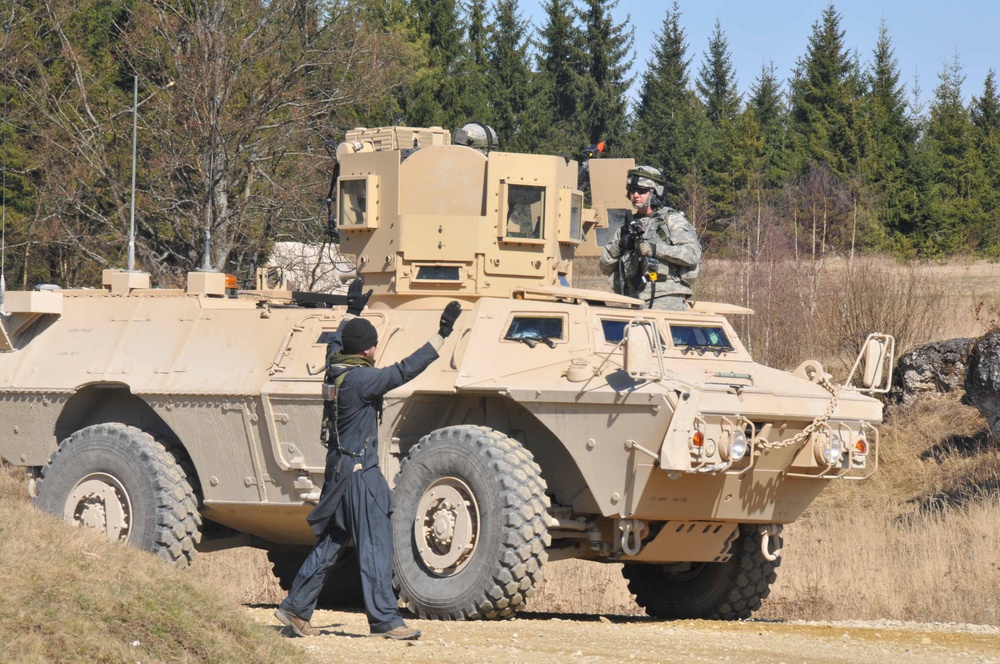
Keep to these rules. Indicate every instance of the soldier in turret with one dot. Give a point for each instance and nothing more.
(655, 255)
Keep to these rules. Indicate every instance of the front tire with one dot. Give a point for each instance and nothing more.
(469, 525)
(732, 590)
(122, 482)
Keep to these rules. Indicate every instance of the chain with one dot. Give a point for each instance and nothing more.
(834, 391)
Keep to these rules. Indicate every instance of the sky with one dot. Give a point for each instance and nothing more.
(925, 35)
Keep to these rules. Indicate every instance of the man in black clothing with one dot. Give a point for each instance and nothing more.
(356, 501)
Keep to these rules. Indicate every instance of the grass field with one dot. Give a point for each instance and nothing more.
(74, 596)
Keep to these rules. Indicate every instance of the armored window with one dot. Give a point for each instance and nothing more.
(532, 329)
(358, 198)
(700, 337)
(570, 216)
(525, 212)
(576, 217)
(438, 273)
(616, 217)
(614, 330)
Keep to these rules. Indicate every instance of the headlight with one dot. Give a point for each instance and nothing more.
(828, 448)
(735, 448)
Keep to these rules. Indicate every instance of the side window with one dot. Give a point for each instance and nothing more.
(353, 202)
(576, 218)
(614, 330)
(616, 217)
(358, 202)
(525, 212)
(532, 329)
(698, 336)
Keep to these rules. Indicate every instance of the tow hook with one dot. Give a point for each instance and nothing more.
(766, 532)
(633, 531)
(33, 475)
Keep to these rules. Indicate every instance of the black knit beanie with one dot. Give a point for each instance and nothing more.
(358, 336)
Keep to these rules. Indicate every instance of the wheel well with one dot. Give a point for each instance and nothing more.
(425, 413)
(102, 403)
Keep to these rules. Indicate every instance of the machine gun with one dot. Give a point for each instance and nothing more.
(586, 154)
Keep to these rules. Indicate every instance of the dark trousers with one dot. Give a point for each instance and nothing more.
(371, 530)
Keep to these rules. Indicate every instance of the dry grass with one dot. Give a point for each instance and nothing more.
(247, 570)
(73, 596)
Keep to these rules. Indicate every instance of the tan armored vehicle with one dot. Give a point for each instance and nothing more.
(558, 423)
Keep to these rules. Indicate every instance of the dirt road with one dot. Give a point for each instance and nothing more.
(548, 638)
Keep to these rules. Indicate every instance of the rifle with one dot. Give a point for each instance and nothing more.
(646, 268)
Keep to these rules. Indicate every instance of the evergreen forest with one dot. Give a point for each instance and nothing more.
(238, 104)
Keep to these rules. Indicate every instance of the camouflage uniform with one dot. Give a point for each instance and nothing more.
(676, 248)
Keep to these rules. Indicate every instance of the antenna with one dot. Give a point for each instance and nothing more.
(3, 187)
(130, 263)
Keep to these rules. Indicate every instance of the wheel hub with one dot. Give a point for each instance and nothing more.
(444, 519)
(100, 502)
(447, 526)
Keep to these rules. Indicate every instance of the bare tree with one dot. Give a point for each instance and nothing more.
(236, 103)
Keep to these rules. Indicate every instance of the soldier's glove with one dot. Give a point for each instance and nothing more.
(448, 318)
(647, 248)
(355, 300)
(626, 241)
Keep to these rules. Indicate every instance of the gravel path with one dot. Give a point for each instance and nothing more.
(550, 638)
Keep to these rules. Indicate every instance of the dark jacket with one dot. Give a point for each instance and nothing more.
(360, 399)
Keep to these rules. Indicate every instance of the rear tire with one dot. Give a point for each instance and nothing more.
(121, 481)
(732, 590)
(469, 525)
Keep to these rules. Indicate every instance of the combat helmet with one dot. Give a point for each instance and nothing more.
(476, 135)
(649, 177)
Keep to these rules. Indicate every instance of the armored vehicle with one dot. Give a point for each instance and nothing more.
(558, 422)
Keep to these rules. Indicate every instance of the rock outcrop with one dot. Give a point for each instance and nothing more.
(982, 380)
(932, 368)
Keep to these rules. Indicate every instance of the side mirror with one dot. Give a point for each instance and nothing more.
(875, 361)
(643, 354)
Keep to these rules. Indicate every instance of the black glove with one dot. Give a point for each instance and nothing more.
(626, 240)
(355, 300)
(448, 318)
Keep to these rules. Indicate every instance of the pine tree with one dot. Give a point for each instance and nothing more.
(953, 172)
(985, 114)
(434, 98)
(717, 86)
(822, 100)
(606, 49)
(717, 80)
(887, 171)
(771, 115)
(553, 125)
(471, 71)
(510, 75)
(669, 120)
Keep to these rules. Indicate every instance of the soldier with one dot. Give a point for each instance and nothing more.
(356, 501)
(655, 255)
